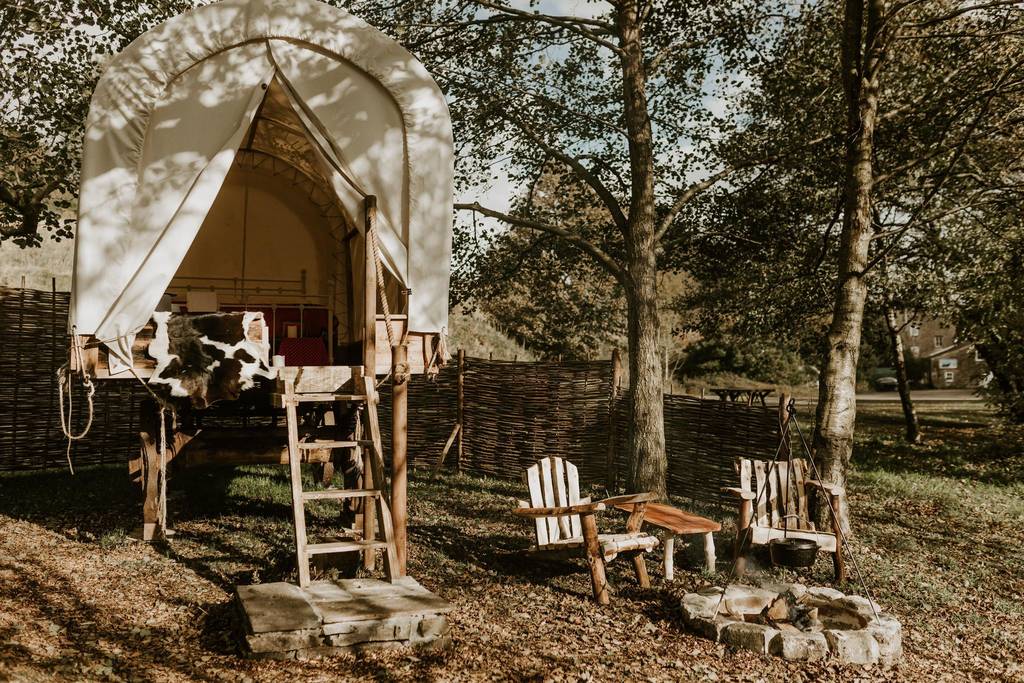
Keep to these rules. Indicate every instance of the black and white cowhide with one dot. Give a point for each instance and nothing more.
(209, 358)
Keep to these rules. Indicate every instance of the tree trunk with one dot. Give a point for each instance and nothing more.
(648, 464)
(647, 460)
(837, 384)
(902, 383)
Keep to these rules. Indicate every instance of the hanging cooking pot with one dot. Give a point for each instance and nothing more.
(793, 552)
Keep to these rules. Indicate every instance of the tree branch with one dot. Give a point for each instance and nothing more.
(689, 193)
(577, 25)
(584, 173)
(598, 254)
(997, 4)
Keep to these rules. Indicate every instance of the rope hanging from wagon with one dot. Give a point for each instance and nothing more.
(371, 234)
(64, 387)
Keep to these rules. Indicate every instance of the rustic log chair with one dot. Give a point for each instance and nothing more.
(566, 523)
(782, 509)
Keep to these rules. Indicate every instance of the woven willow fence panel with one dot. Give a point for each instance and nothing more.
(517, 413)
(703, 438)
(433, 411)
(33, 336)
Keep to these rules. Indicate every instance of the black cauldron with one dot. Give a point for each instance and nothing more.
(793, 552)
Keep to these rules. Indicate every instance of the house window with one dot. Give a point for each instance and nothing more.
(938, 341)
(977, 354)
(914, 330)
(915, 351)
(949, 377)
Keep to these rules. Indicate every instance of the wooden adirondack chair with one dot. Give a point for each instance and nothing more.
(566, 523)
(780, 509)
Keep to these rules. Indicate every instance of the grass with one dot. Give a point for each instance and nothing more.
(938, 537)
(37, 265)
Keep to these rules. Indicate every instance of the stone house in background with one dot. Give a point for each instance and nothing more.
(953, 363)
(925, 337)
(957, 367)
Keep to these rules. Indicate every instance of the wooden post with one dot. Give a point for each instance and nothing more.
(742, 536)
(370, 291)
(369, 512)
(594, 558)
(295, 476)
(709, 552)
(369, 362)
(785, 455)
(461, 409)
(399, 443)
(669, 543)
(610, 469)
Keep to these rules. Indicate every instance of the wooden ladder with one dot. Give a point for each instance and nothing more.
(384, 537)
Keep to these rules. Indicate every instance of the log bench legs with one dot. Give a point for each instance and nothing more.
(709, 552)
(595, 559)
(669, 542)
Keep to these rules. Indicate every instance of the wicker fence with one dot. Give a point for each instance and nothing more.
(514, 413)
(34, 342)
(703, 438)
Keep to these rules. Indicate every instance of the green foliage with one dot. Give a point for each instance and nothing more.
(50, 57)
(946, 147)
(477, 336)
(541, 289)
(756, 360)
(989, 267)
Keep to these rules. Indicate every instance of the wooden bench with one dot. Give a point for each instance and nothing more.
(675, 522)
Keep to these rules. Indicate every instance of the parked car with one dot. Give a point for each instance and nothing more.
(886, 384)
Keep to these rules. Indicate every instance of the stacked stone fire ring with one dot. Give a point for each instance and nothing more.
(796, 623)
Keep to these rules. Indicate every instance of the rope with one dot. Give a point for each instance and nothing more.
(64, 380)
(371, 234)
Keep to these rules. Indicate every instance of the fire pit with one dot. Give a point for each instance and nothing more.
(796, 623)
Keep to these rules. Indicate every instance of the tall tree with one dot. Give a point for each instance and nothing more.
(909, 106)
(617, 98)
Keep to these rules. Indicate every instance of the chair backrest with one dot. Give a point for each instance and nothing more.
(554, 482)
(781, 498)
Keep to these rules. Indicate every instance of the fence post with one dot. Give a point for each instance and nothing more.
(55, 333)
(460, 415)
(610, 469)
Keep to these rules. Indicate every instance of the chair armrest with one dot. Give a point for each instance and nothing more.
(827, 487)
(738, 492)
(630, 498)
(580, 509)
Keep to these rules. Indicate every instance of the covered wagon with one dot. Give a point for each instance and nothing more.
(264, 179)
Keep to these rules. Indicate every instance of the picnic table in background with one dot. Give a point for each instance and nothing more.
(747, 396)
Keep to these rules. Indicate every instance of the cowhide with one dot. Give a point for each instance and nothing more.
(209, 358)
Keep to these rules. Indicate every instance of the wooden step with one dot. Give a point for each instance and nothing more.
(279, 400)
(340, 494)
(320, 445)
(343, 547)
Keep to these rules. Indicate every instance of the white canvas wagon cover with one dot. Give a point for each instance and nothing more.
(170, 112)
